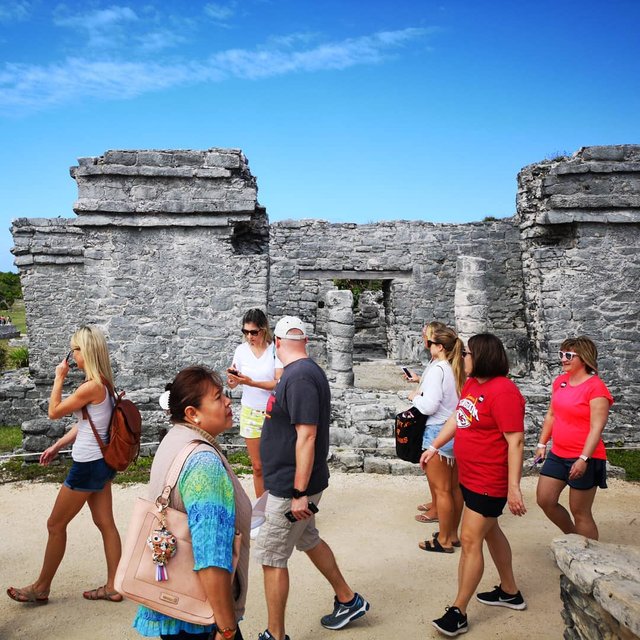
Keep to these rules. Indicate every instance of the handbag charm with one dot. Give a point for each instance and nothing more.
(163, 545)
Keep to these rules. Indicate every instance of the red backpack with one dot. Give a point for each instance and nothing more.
(125, 430)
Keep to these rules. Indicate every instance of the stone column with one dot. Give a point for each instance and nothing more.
(470, 300)
(340, 332)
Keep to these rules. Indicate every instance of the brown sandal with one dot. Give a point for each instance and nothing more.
(101, 593)
(28, 595)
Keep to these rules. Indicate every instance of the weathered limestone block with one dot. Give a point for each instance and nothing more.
(346, 461)
(600, 588)
(373, 464)
(471, 299)
(340, 346)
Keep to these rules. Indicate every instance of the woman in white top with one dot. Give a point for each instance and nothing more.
(437, 397)
(256, 367)
(89, 479)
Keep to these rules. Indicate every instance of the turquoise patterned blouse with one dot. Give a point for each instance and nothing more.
(207, 493)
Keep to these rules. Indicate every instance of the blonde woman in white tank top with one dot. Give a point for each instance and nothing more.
(89, 479)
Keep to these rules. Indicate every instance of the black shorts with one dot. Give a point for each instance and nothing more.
(595, 475)
(481, 503)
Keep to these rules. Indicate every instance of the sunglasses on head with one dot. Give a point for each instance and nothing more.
(250, 332)
(567, 355)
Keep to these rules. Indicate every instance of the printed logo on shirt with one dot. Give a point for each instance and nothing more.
(466, 412)
(270, 401)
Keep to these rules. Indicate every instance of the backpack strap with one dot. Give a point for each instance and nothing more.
(87, 417)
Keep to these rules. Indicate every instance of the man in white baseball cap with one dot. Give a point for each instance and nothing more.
(287, 324)
(293, 448)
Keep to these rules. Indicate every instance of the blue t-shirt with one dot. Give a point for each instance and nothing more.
(207, 493)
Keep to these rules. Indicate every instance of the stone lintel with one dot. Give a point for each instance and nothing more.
(580, 201)
(146, 171)
(354, 275)
(610, 152)
(579, 166)
(159, 220)
(602, 216)
(186, 206)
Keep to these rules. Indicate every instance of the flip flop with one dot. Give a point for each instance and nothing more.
(425, 519)
(457, 543)
(424, 507)
(28, 595)
(101, 593)
(435, 546)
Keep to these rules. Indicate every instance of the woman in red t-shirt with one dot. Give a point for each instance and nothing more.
(488, 425)
(579, 409)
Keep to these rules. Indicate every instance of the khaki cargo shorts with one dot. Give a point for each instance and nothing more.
(278, 537)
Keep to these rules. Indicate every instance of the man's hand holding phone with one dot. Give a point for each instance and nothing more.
(301, 509)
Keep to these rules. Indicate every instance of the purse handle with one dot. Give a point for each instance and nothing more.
(162, 501)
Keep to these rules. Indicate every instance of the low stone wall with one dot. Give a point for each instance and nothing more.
(600, 588)
(18, 398)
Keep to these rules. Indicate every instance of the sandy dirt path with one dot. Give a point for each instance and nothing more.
(368, 521)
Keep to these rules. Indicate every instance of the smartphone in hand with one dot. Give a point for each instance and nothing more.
(70, 361)
(407, 372)
(291, 518)
(233, 372)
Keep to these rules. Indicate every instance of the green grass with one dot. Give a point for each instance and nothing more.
(240, 462)
(15, 469)
(10, 438)
(18, 316)
(628, 459)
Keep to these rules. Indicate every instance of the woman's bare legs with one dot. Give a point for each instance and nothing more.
(475, 528)
(500, 551)
(440, 476)
(547, 495)
(66, 507)
(580, 503)
(100, 503)
(253, 447)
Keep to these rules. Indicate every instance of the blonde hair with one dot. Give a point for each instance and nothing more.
(453, 348)
(93, 346)
(586, 350)
(429, 329)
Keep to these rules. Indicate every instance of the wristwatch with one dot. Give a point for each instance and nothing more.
(228, 633)
(583, 457)
(299, 494)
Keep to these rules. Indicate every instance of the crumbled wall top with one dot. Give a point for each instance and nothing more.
(165, 188)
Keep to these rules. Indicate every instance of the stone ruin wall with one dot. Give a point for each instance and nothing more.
(169, 248)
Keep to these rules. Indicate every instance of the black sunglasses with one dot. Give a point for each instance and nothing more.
(250, 332)
(466, 353)
(431, 342)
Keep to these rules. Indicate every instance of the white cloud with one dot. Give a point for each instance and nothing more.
(25, 87)
(14, 11)
(159, 40)
(219, 12)
(98, 19)
(104, 28)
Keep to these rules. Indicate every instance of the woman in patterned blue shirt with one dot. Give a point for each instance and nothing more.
(215, 503)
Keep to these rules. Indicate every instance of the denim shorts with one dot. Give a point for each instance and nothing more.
(89, 476)
(595, 475)
(430, 433)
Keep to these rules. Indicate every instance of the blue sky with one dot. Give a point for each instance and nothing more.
(347, 110)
